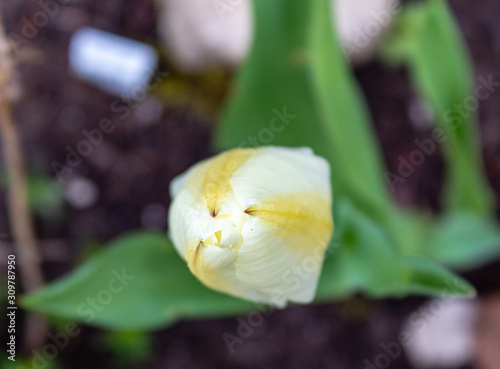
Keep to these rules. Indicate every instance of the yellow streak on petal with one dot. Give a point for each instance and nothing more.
(303, 220)
(210, 276)
(218, 235)
(193, 257)
(216, 187)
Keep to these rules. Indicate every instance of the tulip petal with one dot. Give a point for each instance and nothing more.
(287, 194)
(277, 171)
(284, 245)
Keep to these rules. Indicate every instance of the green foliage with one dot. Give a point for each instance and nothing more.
(138, 283)
(127, 347)
(426, 41)
(45, 196)
(463, 240)
(332, 119)
(297, 75)
(23, 362)
(365, 261)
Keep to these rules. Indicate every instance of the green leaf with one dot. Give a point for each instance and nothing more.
(464, 240)
(356, 157)
(127, 347)
(297, 67)
(45, 195)
(362, 261)
(429, 43)
(138, 283)
(295, 89)
(297, 62)
(272, 101)
(22, 362)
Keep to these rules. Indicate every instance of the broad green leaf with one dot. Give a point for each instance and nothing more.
(296, 67)
(343, 113)
(138, 283)
(329, 116)
(272, 102)
(428, 42)
(295, 89)
(464, 240)
(362, 261)
(278, 99)
(357, 166)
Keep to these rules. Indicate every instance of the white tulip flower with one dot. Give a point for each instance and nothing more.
(200, 34)
(255, 223)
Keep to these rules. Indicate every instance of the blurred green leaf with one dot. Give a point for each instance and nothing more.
(429, 43)
(23, 362)
(330, 116)
(45, 195)
(273, 101)
(464, 240)
(362, 261)
(296, 66)
(355, 155)
(127, 347)
(138, 283)
(295, 89)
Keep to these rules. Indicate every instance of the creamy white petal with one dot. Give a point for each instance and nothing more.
(177, 184)
(255, 223)
(286, 271)
(279, 170)
(185, 220)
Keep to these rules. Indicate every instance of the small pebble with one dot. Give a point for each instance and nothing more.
(81, 193)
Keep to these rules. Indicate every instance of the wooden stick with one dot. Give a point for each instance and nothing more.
(20, 219)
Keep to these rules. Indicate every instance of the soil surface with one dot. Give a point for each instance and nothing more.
(133, 167)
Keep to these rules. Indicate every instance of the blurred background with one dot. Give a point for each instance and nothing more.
(160, 101)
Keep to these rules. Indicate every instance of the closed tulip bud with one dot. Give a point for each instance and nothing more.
(255, 223)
